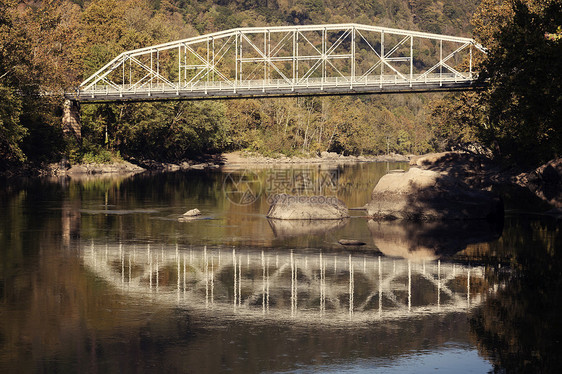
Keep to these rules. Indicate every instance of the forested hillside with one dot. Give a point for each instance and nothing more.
(52, 45)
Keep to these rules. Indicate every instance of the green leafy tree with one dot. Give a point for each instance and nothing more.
(11, 131)
(16, 82)
(525, 94)
(455, 120)
(520, 113)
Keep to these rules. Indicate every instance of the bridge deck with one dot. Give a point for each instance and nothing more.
(275, 88)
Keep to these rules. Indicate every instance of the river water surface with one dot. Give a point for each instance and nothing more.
(107, 275)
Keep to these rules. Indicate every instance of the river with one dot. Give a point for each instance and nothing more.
(105, 275)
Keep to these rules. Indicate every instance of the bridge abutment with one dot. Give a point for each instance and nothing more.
(71, 123)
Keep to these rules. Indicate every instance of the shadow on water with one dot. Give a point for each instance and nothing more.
(64, 310)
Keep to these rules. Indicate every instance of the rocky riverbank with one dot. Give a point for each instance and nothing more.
(228, 160)
(244, 159)
(544, 182)
(120, 167)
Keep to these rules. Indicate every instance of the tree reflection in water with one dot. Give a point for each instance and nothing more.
(519, 328)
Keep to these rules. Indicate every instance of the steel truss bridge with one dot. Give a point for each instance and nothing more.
(287, 61)
(306, 287)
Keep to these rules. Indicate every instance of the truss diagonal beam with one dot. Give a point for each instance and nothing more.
(151, 72)
(208, 65)
(442, 61)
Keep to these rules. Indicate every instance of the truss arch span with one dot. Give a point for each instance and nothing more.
(287, 61)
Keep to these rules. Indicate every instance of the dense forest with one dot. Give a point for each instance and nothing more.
(52, 45)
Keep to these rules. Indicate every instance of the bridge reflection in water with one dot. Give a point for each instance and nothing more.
(301, 286)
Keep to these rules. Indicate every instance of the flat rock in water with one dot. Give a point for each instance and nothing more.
(307, 207)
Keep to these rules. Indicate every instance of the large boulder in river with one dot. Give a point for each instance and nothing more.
(476, 170)
(306, 207)
(429, 195)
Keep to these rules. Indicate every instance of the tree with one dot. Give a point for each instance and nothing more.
(525, 94)
(455, 120)
(15, 81)
(11, 131)
(519, 115)
(52, 45)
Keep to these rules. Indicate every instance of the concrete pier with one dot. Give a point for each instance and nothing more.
(71, 124)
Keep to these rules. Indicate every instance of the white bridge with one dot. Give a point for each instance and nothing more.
(309, 287)
(287, 61)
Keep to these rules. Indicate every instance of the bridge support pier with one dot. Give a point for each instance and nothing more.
(71, 124)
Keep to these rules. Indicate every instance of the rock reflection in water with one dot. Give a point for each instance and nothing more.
(290, 228)
(288, 285)
(430, 240)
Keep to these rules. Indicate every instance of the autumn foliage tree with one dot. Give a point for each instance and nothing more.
(36, 44)
(15, 61)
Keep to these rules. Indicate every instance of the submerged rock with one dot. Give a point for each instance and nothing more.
(351, 242)
(306, 208)
(192, 213)
(429, 195)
